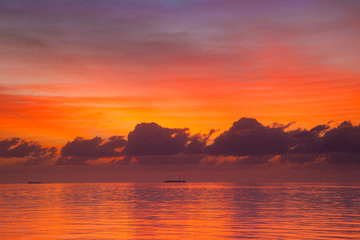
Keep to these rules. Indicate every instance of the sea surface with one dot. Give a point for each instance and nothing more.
(179, 211)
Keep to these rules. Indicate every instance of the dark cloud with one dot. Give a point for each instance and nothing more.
(81, 150)
(319, 145)
(43, 156)
(152, 139)
(344, 138)
(198, 143)
(249, 140)
(33, 152)
(249, 137)
(246, 142)
(314, 132)
(307, 141)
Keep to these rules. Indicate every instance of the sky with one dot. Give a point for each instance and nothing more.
(211, 90)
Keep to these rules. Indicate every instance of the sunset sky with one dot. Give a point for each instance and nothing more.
(147, 88)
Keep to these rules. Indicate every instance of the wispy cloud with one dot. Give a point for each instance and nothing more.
(29, 152)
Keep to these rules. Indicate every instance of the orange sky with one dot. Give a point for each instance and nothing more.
(99, 69)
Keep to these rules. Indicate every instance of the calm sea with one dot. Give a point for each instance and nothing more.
(179, 211)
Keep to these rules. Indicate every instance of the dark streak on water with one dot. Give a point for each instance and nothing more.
(179, 211)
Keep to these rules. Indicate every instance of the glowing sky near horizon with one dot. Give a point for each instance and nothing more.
(98, 68)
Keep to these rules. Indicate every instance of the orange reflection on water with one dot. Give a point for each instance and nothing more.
(179, 211)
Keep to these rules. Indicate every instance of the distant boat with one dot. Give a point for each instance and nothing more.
(31, 182)
(175, 181)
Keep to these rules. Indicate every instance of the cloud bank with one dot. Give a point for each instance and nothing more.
(247, 141)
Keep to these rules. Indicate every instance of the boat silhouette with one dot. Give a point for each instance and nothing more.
(31, 182)
(175, 181)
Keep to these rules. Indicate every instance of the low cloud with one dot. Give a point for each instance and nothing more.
(246, 142)
(197, 143)
(80, 150)
(151, 139)
(344, 138)
(33, 152)
(249, 137)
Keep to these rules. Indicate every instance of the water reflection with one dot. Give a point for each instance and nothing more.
(179, 211)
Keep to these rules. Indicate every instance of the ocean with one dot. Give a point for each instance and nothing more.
(179, 211)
